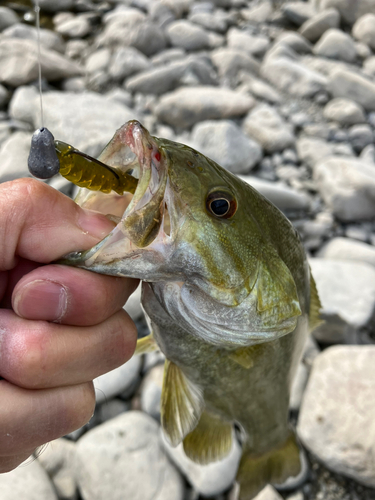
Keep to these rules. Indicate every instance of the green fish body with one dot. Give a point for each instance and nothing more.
(229, 297)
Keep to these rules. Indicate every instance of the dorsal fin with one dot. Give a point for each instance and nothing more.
(181, 404)
(315, 306)
(210, 441)
(146, 344)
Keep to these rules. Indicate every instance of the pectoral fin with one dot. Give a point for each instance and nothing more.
(181, 404)
(146, 344)
(315, 306)
(211, 440)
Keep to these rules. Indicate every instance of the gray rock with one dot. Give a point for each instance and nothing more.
(210, 21)
(267, 493)
(165, 78)
(363, 50)
(123, 458)
(87, 121)
(353, 86)
(364, 30)
(259, 14)
(127, 61)
(208, 480)
(361, 136)
(315, 27)
(260, 89)
(19, 63)
(23, 104)
(347, 294)
(186, 106)
(112, 409)
(349, 10)
(284, 197)
(293, 77)
(298, 12)
(255, 46)
(368, 154)
(167, 56)
(348, 249)
(29, 482)
(369, 66)
(347, 187)
(151, 391)
(225, 143)
(98, 61)
(14, 152)
(187, 35)
(266, 126)
(120, 380)
(7, 18)
(4, 96)
(229, 62)
(295, 41)
(344, 111)
(77, 27)
(55, 5)
(5, 131)
(58, 459)
(336, 44)
(49, 39)
(337, 415)
(76, 49)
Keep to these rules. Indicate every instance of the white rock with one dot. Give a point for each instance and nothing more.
(344, 111)
(295, 41)
(48, 38)
(314, 28)
(259, 14)
(348, 249)
(253, 45)
(123, 458)
(187, 35)
(120, 380)
(151, 391)
(211, 479)
(350, 10)
(350, 85)
(347, 293)
(28, 482)
(225, 143)
(229, 61)
(266, 126)
(98, 60)
(77, 27)
(127, 61)
(336, 421)
(347, 187)
(14, 153)
(267, 493)
(336, 44)
(364, 30)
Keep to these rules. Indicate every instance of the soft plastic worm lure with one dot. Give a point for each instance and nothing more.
(49, 157)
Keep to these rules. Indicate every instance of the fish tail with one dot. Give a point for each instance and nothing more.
(275, 467)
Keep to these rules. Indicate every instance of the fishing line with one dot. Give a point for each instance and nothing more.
(37, 22)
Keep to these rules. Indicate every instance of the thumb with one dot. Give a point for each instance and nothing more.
(41, 224)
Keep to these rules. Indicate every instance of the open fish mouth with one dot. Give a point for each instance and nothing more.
(142, 219)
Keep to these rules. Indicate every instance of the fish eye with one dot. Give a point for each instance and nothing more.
(221, 204)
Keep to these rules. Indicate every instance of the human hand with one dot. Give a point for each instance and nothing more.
(60, 327)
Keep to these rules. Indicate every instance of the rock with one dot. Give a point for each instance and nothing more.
(336, 44)
(347, 187)
(127, 61)
(4, 96)
(186, 106)
(225, 143)
(208, 480)
(48, 39)
(347, 293)
(120, 380)
(112, 409)
(98, 61)
(229, 62)
(349, 11)
(336, 421)
(364, 30)
(369, 66)
(344, 111)
(284, 197)
(133, 305)
(5, 132)
(295, 41)
(255, 46)
(29, 482)
(14, 152)
(298, 12)
(162, 79)
(210, 21)
(126, 452)
(77, 27)
(361, 136)
(19, 63)
(187, 35)
(267, 127)
(87, 121)
(260, 89)
(267, 493)
(55, 5)
(7, 18)
(315, 27)
(368, 154)
(348, 249)
(151, 391)
(168, 55)
(58, 459)
(343, 83)
(293, 77)
(259, 14)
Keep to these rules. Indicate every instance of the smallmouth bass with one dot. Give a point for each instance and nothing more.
(228, 294)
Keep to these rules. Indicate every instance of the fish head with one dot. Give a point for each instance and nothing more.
(197, 232)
